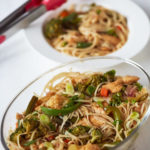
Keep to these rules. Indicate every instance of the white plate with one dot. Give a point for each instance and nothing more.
(138, 24)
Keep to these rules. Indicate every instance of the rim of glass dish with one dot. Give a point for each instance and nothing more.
(128, 61)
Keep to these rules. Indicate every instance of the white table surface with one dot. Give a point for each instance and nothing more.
(20, 64)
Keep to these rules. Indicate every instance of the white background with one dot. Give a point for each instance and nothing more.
(20, 63)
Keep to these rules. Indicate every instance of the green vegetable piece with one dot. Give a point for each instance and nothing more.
(30, 124)
(62, 112)
(79, 130)
(73, 120)
(82, 96)
(96, 99)
(80, 87)
(52, 126)
(97, 79)
(14, 135)
(29, 143)
(133, 101)
(99, 101)
(96, 136)
(64, 44)
(110, 75)
(69, 104)
(115, 111)
(71, 101)
(42, 130)
(98, 11)
(69, 88)
(71, 21)
(31, 105)
(116, 99)
(135, 115)
(70, 17)
(117, 121)
(139, 86)
(75, 97)
(111, 32)
(90, 90)
(53, 28)
(83, 44)
(44, 119)
(126, 101)
(49, 146)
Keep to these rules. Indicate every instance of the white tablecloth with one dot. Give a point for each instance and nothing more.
(20, 64)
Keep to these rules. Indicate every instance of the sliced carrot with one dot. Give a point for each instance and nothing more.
(119, 28)
(104, 92)
(50, 138)
(66, 140)
(16, 124)
(64, 13)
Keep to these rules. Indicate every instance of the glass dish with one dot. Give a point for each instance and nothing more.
(94, 64)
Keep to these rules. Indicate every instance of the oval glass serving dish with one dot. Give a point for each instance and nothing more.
(95, 64)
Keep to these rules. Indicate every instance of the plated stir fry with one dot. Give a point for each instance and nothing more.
(95, 32)
(81, 111)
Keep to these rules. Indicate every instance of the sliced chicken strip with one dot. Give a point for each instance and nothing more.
(110, 39)
(117, 85)
(97, 109)
(93, 120)
(130, 79)
(97, 121)
(57, 102)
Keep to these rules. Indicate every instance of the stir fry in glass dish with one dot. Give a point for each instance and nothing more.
(81, 111)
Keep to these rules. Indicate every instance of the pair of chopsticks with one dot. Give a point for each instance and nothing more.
(24, 15)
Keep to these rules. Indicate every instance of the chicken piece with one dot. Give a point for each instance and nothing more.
(84, 122)
(90, 146)
(97, 121)
(115, 86)
(57, 101)
(75, 37)
(110, 39)
(130, 79)
(93, 120)
(97, 109)
(79, 80)
(47, 97)
(92, 28)
(44, 99)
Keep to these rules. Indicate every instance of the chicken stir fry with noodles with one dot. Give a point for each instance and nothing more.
(83, 111)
